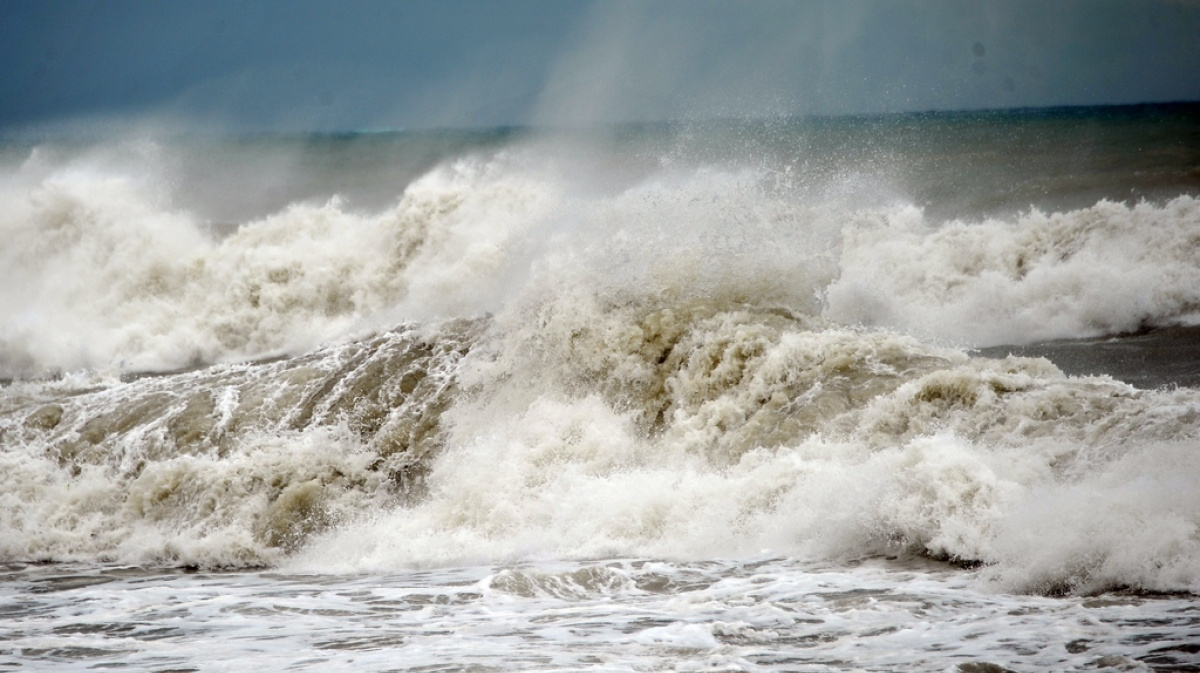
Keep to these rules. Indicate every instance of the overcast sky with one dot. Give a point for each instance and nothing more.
(359, 64)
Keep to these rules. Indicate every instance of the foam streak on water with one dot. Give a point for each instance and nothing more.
(621, 615)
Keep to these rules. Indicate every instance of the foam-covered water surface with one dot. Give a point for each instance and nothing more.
(645, 397)
(757, 615)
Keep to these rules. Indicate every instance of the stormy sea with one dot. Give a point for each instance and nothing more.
(909, 392)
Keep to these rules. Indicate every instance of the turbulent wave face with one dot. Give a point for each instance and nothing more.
(628, 347)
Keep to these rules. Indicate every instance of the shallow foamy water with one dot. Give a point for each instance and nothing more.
(620, 615)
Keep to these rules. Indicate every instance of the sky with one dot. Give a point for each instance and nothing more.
(308, 65)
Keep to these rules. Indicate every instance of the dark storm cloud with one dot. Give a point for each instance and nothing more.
(324, 65)
(301, 63)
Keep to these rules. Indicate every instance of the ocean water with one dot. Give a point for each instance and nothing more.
(911, 392)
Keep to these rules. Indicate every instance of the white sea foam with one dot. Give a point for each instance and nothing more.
(594, 430)
(1102, 270)
(100, 273)
(617, 614)
(100, 270)
(684, 363)
(767, 436)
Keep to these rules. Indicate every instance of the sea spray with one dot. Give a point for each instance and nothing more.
(534, 353)
(1107, 269)
(102, 271)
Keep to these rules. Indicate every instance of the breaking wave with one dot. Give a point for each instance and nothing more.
(516, 360)
(100, 272)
